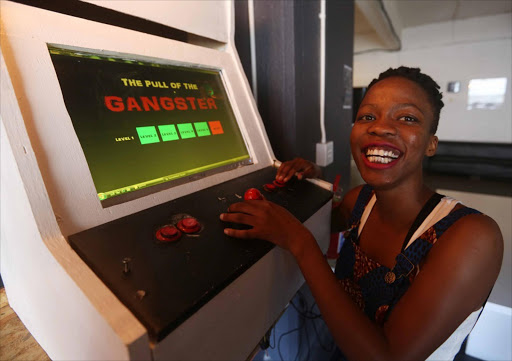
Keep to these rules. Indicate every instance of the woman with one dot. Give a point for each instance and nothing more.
(416, 268)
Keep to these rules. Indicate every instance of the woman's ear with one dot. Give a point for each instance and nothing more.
(432, 146)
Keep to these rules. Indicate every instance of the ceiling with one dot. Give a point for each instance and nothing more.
(372, 24)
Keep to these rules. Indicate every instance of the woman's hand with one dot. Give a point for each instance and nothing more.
(302, 167)
(270, 222)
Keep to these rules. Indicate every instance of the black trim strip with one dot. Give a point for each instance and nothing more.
(103, 15)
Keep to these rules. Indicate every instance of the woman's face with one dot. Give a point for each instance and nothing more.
(392, 134)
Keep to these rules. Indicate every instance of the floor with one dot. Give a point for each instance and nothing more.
(16, 343)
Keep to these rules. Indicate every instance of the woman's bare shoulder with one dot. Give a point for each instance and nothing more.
(473, 246)
(477, 232)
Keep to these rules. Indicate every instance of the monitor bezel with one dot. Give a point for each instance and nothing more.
(125, 197)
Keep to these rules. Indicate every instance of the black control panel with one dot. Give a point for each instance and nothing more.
(165, 262)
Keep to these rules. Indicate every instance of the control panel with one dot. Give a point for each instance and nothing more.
(165, 262)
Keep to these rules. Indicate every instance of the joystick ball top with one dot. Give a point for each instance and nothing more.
(253, 194)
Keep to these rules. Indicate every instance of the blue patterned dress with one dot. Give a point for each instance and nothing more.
(375, 288)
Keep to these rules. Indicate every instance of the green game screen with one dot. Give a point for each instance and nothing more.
(145, 123)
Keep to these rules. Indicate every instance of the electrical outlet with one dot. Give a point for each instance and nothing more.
(324, 153)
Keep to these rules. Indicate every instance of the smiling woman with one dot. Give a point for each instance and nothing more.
(416, 267)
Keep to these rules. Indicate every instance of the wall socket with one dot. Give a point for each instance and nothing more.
(324, 153)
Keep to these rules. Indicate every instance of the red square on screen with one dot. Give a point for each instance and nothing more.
(216, 127)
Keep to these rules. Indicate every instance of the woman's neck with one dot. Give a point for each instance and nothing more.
(401, 205)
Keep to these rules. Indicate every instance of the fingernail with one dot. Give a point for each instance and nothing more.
(226, 231)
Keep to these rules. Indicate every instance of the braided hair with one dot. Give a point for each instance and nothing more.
(428, 84)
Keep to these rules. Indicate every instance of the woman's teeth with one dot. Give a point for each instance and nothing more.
(379, 160)
(375, 155)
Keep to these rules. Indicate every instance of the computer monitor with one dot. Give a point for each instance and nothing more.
(144, 125)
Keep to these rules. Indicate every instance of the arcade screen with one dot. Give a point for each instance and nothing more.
(145, 123)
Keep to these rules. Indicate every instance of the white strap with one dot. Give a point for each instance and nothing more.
(366, 214)
(443, 208)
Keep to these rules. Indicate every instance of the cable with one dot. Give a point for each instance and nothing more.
(322, 17)
(331, 348)
(274, 336)
(300, 340)
(252, 44)
(305, 314)
(307, 340)
(279, 341)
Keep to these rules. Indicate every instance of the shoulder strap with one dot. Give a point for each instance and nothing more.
(419, 249)
(362, 200)
(425, 211)
(445, 223)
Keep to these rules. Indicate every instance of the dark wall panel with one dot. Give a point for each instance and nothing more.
(242, 37)
(275, 45)
(339, 52)
(307, 78)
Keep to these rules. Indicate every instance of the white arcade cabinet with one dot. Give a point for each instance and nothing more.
(119, 150)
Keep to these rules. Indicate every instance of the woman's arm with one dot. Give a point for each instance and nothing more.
(455, 280)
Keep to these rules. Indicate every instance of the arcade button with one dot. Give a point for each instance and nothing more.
(269, 187)
(168, 234)
(253, 194)
(188, 225)
(279, 184)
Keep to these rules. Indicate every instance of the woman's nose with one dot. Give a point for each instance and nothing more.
(382, 127)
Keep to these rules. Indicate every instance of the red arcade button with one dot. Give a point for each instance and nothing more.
(253, 194)
(188, 225)
(269, 187)
(168, 234)
(279, 184)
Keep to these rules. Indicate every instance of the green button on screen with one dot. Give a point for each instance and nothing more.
(147, 135)
(168, 132)
(186, 130)
(202, 129)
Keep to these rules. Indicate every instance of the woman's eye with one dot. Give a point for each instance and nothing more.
(366, 117)
(408, 119)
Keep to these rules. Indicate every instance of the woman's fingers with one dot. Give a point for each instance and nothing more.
(236, 218)
(303, 168)
(247, 207)
(242, 213)
(237, 233)
(285, 172)
(288, 169)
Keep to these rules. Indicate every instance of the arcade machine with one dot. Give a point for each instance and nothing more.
(119, 151)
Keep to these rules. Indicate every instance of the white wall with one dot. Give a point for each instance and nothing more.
(500, 209)
(455, 51)
(490, 339)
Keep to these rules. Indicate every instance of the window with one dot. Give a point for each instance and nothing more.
(487, 94)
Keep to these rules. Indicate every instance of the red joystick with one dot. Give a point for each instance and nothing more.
(168, 234)
(279, 184)
(253, 194)
(188, 225)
